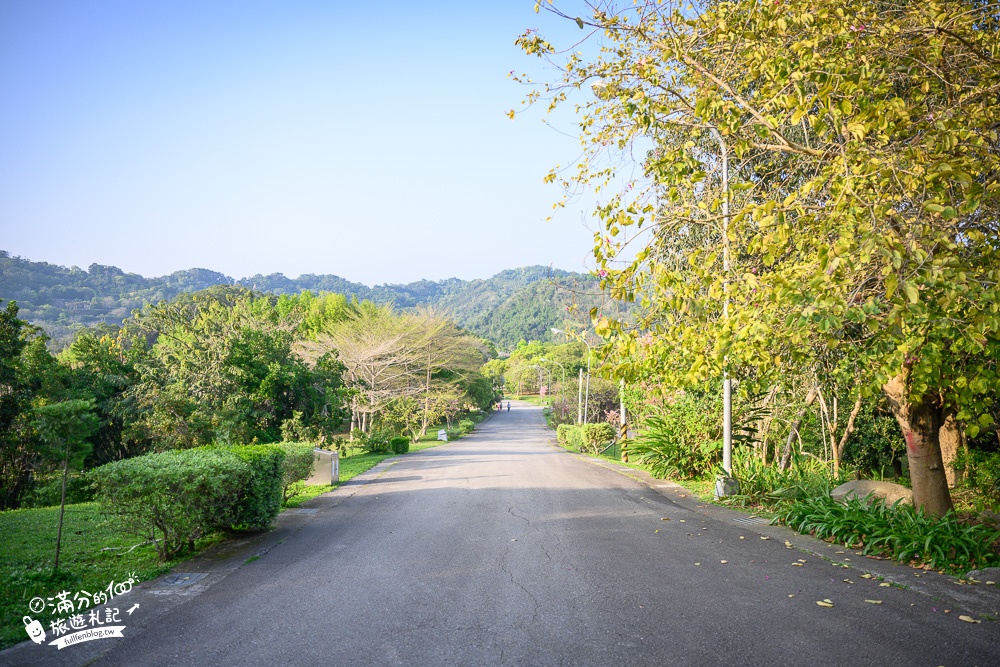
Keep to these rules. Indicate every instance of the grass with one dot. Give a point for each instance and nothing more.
(94, 553)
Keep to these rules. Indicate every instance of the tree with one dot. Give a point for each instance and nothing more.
(63, 429)
(863, 190)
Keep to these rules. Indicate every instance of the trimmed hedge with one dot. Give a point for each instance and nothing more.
(563, 433)
(399, 444)
(467, 425)
(596, 436)
(172, 498)
(297, 466)
(260, 499)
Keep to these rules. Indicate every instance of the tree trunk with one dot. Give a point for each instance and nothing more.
(849, 428)
(786, 455)
(921, 423)
(951, 437)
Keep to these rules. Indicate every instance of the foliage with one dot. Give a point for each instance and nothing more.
(596, 436)
(768, 487)
(856, 225)
(172, 498)
(297, 465)
(900, 531)
(467, 425)
(563, 433)
(260, 497)
(981, 475)
(399, 445)
(683, 440)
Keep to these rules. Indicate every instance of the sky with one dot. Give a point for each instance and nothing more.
(366, 140)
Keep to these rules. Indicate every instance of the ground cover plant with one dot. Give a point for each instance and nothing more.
(897, 531)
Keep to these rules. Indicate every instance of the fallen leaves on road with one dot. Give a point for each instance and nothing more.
(885, 584)
(788, 545)
(797, 564)
(764, 537)
(723, 561)
(848, 581)
(866, 576)
(665, 518)
(824, 603)
(873, 601)
(968, 619)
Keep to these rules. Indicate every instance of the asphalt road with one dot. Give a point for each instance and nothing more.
(502, 549)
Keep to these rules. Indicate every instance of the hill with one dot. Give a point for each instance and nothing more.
(513, 305)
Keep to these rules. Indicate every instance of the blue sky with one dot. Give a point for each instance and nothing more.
(365, 140)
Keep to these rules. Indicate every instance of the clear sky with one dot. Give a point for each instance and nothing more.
(367, 140)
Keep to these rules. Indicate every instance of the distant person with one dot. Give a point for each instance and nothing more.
(508, 406)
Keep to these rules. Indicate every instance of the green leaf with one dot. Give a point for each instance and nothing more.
(911, 292)
(579, 22)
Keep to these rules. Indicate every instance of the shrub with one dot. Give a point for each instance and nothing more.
(982, 475)
(596, 436)
(898, 531)
(466, 425)
(297, 466)
(455, 434)
(399, 444)
(684, 440)
(260, 499)
(376, 441)
(574, 437)
(562, 433)
(172, 498)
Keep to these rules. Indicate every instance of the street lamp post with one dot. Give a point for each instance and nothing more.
(586, 400)
(727, 383)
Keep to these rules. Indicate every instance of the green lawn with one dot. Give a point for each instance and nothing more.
(94, 553)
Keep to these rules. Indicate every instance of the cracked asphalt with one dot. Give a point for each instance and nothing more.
(503, 549)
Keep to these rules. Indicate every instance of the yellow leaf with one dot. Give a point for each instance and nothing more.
(968, 619)
(873, 601)
(885, 584)
(824, 603)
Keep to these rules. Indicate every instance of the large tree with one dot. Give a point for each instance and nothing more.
(862, 203)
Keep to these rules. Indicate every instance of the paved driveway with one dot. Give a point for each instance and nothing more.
(502, 549)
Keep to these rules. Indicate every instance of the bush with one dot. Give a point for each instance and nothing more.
(376, 441)
(399, 444)
(260, 499)
(684, 440)
(467, 425)
(898, 531)
(172, 498)
(981, 475)
(562, 433)
(297, 466)
(596, 436)
(455, 434)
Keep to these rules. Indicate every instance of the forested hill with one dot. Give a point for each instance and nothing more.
(512, 305)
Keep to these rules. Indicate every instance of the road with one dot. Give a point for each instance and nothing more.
(502, 549)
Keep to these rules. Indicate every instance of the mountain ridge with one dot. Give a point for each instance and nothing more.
(514, 304)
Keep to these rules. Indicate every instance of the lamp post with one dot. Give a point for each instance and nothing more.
(586, 400)
(727, 383)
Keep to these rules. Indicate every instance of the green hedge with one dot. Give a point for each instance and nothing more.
(399, 444)
(563, 433)
(297, 466)
(260, 499)
(172, 498)
(597, 436)
(467, 425)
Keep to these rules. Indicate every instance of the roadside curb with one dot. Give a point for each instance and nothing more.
(977, 598)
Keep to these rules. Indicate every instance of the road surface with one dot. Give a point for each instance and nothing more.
(503, 549)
